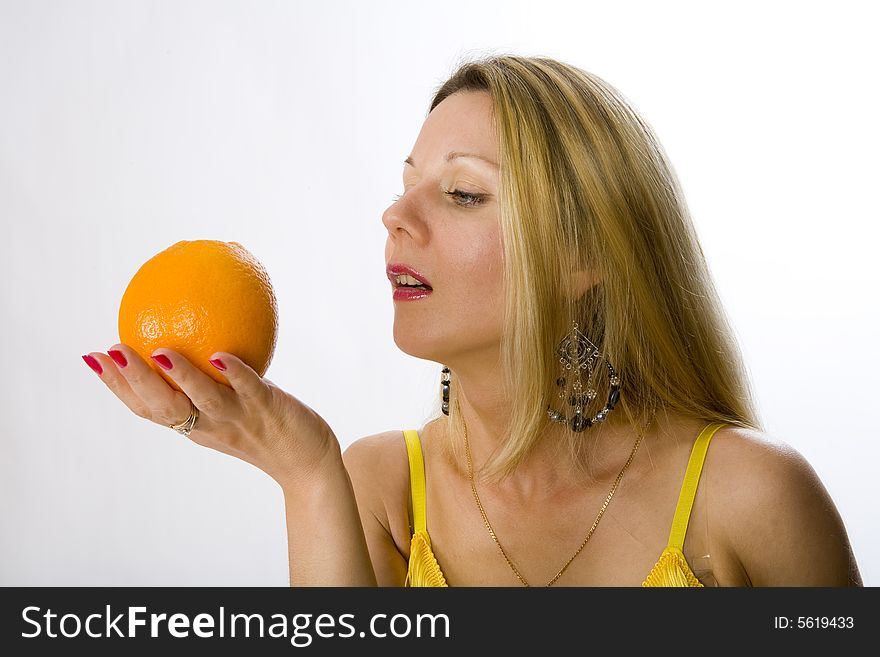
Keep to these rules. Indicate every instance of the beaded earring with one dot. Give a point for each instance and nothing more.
(444, 390)
(577, 354)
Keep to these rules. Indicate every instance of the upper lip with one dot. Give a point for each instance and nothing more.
(396, 269)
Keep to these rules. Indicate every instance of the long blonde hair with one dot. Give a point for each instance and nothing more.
(586, 185)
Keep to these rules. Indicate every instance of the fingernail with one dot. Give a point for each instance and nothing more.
(216, 362)
(94, 364)
(118, 357)
(163, 360)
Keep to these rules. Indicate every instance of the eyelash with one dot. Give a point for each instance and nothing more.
(477, 198)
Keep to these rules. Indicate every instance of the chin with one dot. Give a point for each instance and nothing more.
(416, 344)
(415, 348)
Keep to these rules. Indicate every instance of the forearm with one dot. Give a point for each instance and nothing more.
(325, 538)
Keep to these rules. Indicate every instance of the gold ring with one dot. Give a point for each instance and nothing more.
(189, 423)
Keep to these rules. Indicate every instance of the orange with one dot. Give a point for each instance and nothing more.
(198, 298)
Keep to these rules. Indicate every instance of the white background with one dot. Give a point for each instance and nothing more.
(128, 126)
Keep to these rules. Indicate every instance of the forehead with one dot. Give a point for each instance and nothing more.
(462, 123)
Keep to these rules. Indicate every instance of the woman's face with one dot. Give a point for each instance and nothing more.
(445, 226)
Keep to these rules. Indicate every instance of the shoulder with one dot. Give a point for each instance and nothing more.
(378, 450)
(375, 463)
(772, 511)
(739, 452)
(755, 466)
(379, 471)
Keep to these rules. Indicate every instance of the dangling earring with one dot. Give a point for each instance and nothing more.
(444, 390)
(576, 354)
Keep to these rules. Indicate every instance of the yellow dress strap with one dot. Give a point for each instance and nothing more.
(423, 569)
(689, 487)
(416, 479)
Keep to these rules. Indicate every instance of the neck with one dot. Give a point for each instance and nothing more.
(486, 409)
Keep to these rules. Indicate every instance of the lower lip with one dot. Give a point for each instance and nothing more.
(410, 293)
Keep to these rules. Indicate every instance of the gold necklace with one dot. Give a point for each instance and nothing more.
(492, 532)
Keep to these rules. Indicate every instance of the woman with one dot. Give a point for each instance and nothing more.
(543, 253)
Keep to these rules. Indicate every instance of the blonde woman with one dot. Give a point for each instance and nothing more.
(594, 423)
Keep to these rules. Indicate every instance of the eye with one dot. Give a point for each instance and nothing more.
(465, 199)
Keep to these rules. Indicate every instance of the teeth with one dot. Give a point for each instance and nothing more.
(406, 279)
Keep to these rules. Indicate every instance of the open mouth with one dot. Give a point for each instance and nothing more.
(407, 281)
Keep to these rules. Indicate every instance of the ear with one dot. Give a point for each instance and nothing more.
(584, 281)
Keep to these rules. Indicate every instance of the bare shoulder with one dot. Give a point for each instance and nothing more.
(379, 470)
(739, 452)
(755, 467)
(378, 466)
(377, 452)
(772, 511)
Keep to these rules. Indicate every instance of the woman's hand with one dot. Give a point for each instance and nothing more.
(253, 420)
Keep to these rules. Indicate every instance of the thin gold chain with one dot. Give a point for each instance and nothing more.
(492, 532)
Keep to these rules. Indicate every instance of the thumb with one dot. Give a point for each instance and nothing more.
(244, 380)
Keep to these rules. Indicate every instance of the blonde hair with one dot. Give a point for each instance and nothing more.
(586, 185)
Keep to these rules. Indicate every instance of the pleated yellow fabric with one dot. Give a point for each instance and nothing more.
(671, 569)
(423, 569)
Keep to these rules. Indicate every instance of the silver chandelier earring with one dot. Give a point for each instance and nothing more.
(444, 390)
(578, 355)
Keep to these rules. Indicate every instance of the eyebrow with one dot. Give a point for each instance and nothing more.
(451, 155)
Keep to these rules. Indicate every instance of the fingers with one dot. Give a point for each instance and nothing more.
(148, 394)
(127, 371)
(211, 398)
(105, 368)
(242, 378)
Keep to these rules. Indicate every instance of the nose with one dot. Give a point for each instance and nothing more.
(404, 218)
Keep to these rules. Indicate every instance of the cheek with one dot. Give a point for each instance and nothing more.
(478, 262)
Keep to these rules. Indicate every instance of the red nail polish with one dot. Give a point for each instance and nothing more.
(163, 360)
(92, 362)
(216, 362)
(118, 357)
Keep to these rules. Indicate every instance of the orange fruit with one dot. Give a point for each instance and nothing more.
(198, 298)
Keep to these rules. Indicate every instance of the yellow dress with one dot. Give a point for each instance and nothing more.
(671, 569)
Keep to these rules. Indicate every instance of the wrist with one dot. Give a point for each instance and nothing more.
(322, 474)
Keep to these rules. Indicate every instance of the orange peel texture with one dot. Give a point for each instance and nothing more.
(197, 298)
